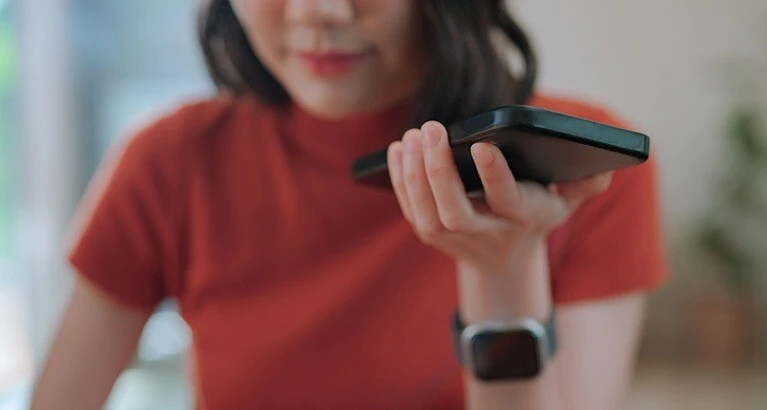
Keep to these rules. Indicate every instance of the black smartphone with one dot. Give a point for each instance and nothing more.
(540, 146)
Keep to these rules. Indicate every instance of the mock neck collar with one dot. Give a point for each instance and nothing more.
(343, 140)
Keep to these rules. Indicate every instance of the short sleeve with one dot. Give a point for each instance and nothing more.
(613, 243)
(123, 235)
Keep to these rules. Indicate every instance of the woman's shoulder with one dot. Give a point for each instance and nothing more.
(192, 119)
(189, 127)
(613, 243)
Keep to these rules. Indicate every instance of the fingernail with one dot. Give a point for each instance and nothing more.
(482, 156)
(431, 136)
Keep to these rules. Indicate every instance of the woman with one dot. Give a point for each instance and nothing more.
(306, 290)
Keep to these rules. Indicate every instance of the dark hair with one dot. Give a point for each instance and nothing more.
(465, 75)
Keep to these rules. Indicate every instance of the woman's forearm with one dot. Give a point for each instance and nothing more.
(96, 342)
(521, 291)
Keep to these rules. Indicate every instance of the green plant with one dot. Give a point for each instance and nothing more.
(7, 54)
(734, 229)
(7, 72)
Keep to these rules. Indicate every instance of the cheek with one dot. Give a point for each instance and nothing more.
(262, 22)
(252, 12)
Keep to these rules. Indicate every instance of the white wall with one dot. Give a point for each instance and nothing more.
(656, 63)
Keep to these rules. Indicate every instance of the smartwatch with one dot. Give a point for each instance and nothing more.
(505, 350)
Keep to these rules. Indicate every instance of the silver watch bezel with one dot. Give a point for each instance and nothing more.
(536, 328)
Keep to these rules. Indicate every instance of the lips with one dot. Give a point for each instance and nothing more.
(331, 64)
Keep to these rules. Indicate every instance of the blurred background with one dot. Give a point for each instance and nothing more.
(78, 75)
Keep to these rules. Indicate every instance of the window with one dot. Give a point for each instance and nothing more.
(137, 59)
(7, 65)
(132, 60)
(15, 346)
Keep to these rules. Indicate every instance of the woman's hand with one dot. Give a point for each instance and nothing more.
(514, 218)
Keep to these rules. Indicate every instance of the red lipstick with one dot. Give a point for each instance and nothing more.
(330, 64)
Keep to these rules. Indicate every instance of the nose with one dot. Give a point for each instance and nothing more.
(320, 12)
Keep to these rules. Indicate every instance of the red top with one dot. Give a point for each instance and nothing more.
(301, 288)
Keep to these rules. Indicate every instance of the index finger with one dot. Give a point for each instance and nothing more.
(394, 159)
(501, 191)
(453, 205)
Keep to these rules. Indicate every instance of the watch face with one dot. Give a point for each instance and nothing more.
(507, 355)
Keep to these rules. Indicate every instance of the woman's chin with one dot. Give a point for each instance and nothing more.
(330, 110)
(335, 106)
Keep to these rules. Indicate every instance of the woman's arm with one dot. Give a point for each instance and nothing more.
(96, 341)
(596, 365)
(500, 247)
(593, 365)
